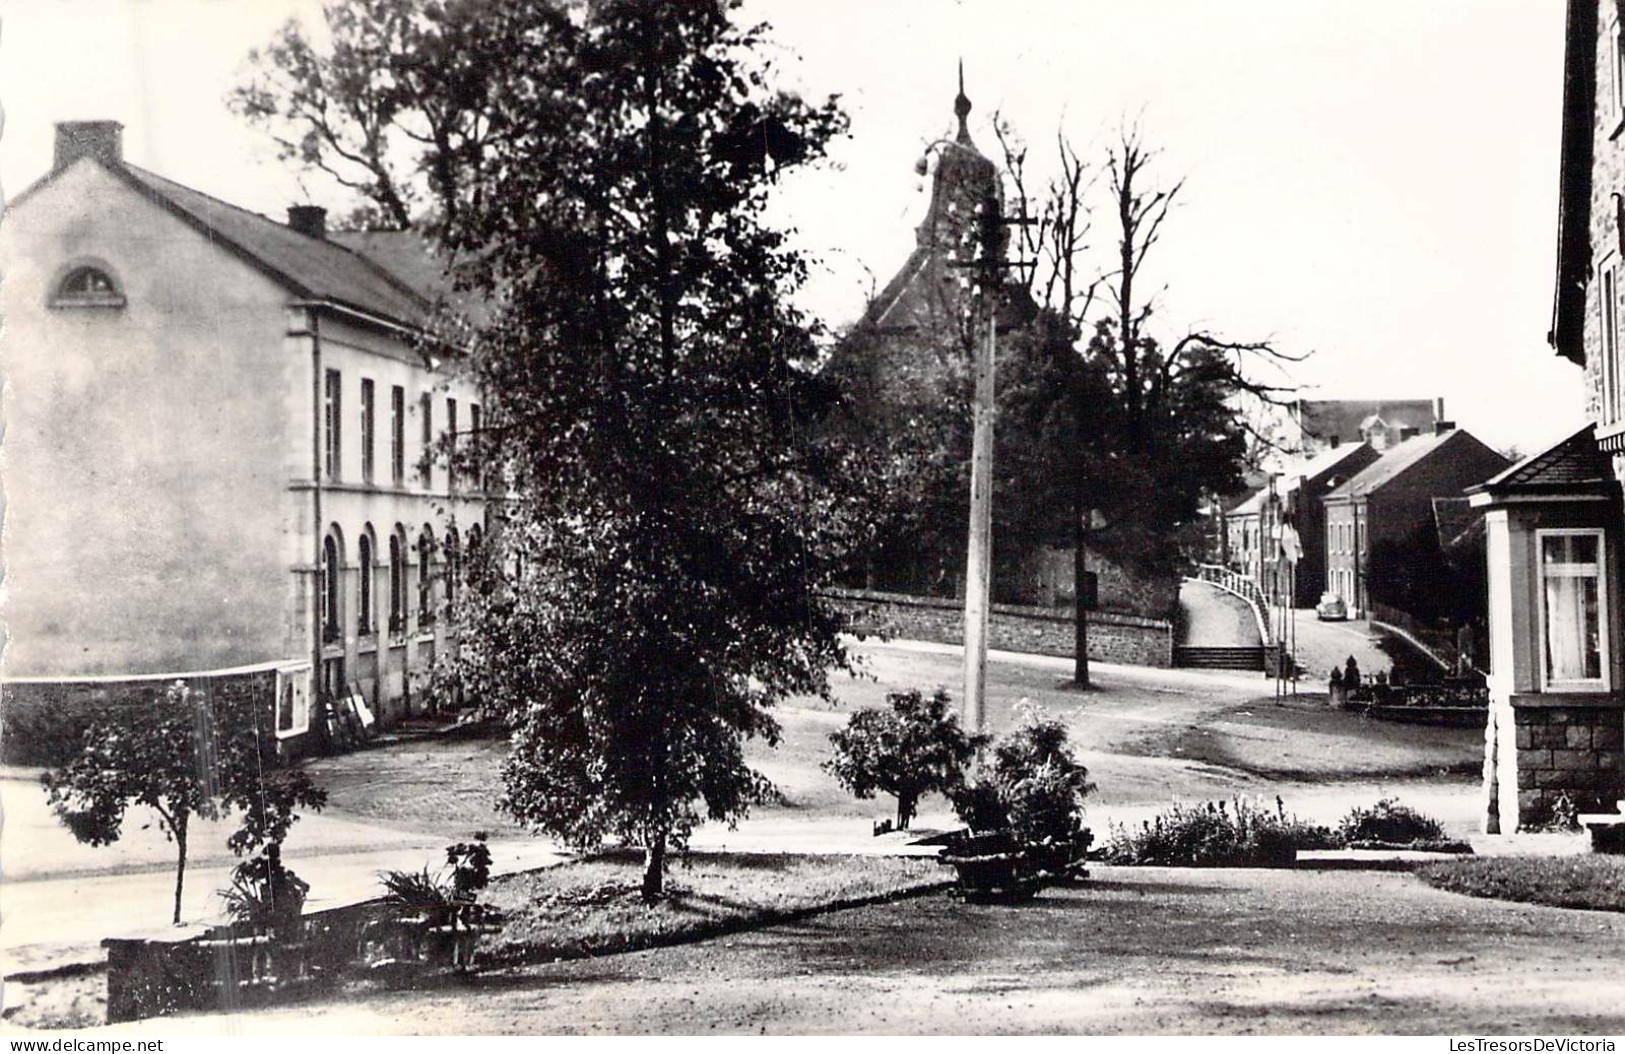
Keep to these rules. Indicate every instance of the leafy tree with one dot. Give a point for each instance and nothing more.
(652, 589)
(189, 755)
(909, 751)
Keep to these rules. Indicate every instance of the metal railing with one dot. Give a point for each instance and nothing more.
(1245, 587)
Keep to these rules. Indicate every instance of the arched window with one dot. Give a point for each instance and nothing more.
(332, 582)
(87, 285)
(366, 625)
(425, 578)
(397, 581)
(473, 567)
(453, 569)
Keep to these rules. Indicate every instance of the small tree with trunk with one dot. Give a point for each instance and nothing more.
(914, 749)
(185, 756)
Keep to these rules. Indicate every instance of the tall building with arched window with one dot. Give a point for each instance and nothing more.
(219, 448)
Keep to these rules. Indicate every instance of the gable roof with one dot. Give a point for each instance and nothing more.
(1400, 459)
(1296, 475)
(1573, 464)
(1574, 181)
(313, 268)
(310, 268)
(1345, 419)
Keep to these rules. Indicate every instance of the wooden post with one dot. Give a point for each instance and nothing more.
(979, 558)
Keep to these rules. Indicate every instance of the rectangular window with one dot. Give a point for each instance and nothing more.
(331, 440)
(366, 429)
(397, 434)
(451, 444)
(1573, 610)
(1608, 317)
(426, 467)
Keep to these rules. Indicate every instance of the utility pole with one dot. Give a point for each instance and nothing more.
(979, 556)
(989, 268)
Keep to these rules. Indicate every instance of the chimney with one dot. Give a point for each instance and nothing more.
(1438, 408)
(102, 140)
(1442, 427)
(309, 220)
(1407, 432)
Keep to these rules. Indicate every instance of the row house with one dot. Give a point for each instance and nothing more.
(216, 452)
(1318, 425)
(1294, 499)
(1384, 514)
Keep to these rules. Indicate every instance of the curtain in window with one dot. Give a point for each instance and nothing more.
(1570, 571)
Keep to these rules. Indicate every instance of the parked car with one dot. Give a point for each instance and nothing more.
(1331, 608)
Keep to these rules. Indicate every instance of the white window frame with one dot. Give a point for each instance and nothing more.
(293, 681)
(1608, 373)
(1604, 658)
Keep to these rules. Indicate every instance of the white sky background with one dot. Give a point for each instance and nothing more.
(1376, 182)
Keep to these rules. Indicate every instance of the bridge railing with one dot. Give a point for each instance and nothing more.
(1245, 587)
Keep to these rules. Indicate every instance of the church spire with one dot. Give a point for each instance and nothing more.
(962, 105)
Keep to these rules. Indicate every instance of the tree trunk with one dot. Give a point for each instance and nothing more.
(180, 870)
(654, 868)
(905, 810)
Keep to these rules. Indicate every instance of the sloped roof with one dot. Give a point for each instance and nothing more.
(314, 268)
(1575, 463)
(1574, 257)
(1455, 521)
(1396, 461)
(1295, 474)
(1344, 418)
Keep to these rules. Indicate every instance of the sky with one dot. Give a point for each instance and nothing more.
(1372, 184)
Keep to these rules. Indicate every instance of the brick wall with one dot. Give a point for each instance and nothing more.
(1573, 749)
(42, 722)
(1113, 637)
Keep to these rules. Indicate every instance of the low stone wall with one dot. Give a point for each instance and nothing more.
(43, 721)
(1113, 637)
(1572, 749)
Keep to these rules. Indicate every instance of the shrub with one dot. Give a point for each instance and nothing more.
(909, 751)
(467, 871)
(1390, 822)
(1036, 786)
(1216, 834)
(264, 894)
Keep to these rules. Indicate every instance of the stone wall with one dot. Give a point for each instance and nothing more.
(1573, 749)
(1113, 637)
(43, 721)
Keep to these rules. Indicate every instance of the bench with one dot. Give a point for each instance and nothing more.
(1607, 830)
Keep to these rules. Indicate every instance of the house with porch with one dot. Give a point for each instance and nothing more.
(217, 454)
(1553, 521)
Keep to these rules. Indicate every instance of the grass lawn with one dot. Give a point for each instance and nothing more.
(594, 906)
(1596, 883)
(1303, 738)
(1146, 740)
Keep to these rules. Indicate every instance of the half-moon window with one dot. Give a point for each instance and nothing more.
(88, 286)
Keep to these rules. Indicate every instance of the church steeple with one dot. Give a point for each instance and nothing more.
(962, 105)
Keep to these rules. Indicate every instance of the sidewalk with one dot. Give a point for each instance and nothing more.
(56, 922)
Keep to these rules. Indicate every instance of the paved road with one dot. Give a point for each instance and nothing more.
(1213, 618)
(1319, 646)
(1133, 951)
